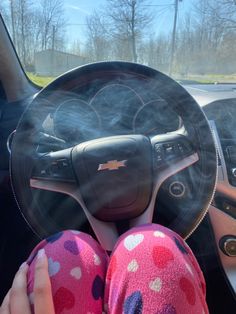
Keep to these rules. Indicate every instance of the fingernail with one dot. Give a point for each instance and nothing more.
(23, 266)
(41, 254)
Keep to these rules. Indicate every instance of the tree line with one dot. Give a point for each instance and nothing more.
(34, 26)
(125, 30)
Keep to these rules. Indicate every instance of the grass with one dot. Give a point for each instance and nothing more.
(203, 79)
(209, 78)
(40, 80)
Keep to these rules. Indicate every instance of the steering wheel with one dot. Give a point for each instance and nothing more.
(112, 168)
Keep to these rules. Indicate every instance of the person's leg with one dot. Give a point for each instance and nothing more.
(153, 271)
(77, 269)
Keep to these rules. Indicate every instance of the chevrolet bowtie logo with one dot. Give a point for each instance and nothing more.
(112, 165)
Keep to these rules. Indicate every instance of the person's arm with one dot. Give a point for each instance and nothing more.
(17, 301)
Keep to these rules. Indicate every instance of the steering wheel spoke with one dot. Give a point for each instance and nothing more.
(172, 153)
(54, 172)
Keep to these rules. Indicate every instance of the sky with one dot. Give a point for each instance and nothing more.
(76, 12)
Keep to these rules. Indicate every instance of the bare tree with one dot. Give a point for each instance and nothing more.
(4, 12)
(52, 23)
(2, 8)
(97, 37)
(13, 26)
(204, 37)
(35, 26)
(224, 11)
(129, 19)
(20, 14)
(75, 48)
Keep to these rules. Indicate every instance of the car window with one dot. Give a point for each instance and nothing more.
(191, 40)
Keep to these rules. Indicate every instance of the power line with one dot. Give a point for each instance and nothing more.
(158, 5)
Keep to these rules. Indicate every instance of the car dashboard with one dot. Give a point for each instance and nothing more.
(219, 105)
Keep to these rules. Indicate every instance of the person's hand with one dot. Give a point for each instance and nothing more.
(17, 301)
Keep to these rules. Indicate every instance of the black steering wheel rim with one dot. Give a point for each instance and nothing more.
(171, 91)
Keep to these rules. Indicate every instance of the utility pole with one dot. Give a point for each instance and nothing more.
(133, 35)
(172, 54)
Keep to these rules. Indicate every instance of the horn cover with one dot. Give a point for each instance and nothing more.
(115, 175)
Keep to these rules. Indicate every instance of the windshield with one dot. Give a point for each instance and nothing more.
(194, 41)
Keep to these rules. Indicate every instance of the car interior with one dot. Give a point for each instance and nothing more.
(147, 149)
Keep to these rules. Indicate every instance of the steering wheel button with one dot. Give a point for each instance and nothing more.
(63, 163)
(54, 169)
(61, 169)
(41, 170)
(158, 147)
(159, 153)
(42, 173)
(177, 189)
(181, 149)
(169, 149)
